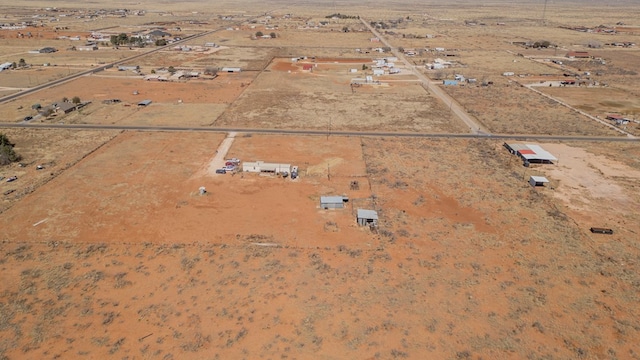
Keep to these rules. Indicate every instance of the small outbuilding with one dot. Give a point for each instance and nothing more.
(231, 69)
(333, 202)
(144, 103)
(537, 181)
(367, 217)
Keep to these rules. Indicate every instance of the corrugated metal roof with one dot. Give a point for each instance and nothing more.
(331, 199)
(367, 214)
(540, 153)
(539, 179)
(532, 152)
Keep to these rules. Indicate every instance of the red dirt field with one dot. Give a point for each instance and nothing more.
(128, 177)
(119, 255)
(223, 89)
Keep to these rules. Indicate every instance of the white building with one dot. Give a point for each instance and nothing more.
(261, 166)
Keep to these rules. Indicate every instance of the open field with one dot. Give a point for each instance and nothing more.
(111, 251)
(535, 115)
(55, 150)
(285, 96)
(255, 269)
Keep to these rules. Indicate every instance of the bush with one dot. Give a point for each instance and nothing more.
(7, 154)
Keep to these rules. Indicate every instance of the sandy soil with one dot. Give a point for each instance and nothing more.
(453, 271)
(117, 255)
(56, 150)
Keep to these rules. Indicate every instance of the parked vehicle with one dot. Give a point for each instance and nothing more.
(27, 118)
(221, 171)
(230, 167)
(13, 178)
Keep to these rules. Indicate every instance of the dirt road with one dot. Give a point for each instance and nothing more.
(473, 124)
(218, 160)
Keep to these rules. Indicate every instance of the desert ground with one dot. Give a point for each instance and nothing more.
(119, 240)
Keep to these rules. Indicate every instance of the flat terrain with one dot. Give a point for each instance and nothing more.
(109, 250)
(255, 269)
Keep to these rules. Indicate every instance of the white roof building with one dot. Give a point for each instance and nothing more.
(531, 153)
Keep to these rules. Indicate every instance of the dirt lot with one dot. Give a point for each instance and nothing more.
(187, 276)
(55, 150)
(536, 114)
(285, 96)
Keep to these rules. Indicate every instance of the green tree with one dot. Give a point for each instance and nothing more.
(75, 100)
(122, 38)
(161, 42)
(22, 63)
(364, 67)
(7, 154)
(273, 35)
(171, 69)
(259, 33)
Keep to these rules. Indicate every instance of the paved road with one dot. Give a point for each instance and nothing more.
(470, 121)
(304, 132)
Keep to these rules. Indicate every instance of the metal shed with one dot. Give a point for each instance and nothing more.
(333, 202)
(538, 181)
(144, 103)
(367, 217)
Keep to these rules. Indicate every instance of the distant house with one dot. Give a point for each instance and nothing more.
(5, 66)
(450, 82)
(307, 67)
(128, 67)
(615, 117)
(230, 69)
(618, 119)
(87, 48)
(578, 55)
(158, 34)
(65, 107)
